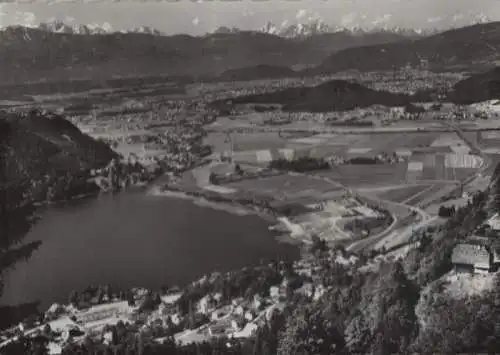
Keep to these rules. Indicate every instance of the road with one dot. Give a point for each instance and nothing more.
(421, 219)
(390, 238)
(403, 234)
(371, 241)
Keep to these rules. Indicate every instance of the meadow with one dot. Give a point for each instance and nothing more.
(401, 194)
(286, 187)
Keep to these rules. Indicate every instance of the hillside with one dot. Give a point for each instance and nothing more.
(32, 54)
(256, 72)
(479, 87)
(465, 47)
(52, 152)
(335, 95)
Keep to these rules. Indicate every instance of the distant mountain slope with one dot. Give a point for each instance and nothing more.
(32, 54)
(316, 27)
(479, 87)
(464, 47)
(58, 26)
(257, 72)
(335, 95)
(51, 151)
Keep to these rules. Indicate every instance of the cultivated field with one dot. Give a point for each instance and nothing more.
(367, 174)
(401, 194)
(245, 141)
(434, 191)
(286, 187)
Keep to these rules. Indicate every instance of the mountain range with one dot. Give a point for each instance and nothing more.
(466, 48)
(318, 27)
(58, 26)
(34, 54)
(298, 30)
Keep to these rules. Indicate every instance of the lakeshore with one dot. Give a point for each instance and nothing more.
(102, 240)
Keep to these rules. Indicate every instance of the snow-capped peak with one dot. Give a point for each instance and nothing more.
(145, 29)
(58, 26)
(317, 26)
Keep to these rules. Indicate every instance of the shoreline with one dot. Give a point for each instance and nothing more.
(207, 199)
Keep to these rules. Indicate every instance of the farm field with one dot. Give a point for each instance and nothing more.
(286, 187)
(433, 190)
(244, 141)
(442, 166)
(367, 174)
(401, 194)
(372, 144)
(495, 160)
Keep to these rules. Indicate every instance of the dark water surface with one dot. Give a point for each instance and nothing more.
(132, 239)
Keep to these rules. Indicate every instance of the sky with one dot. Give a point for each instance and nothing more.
(200, 16)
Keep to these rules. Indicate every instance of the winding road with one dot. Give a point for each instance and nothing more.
(407, 218)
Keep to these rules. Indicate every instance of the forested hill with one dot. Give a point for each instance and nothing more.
(334, 95)
(479, 87)
(51, 152)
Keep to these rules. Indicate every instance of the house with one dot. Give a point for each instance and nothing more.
(494, 222)
(237, 324)
(217, 330)
(221, 312)
(249, 315)
(207, 304)
(468, 257)
(274, 292)
(257, 302)
(306, 289)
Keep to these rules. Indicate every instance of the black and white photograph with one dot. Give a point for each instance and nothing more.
(249, 177)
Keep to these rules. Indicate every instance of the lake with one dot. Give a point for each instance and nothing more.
(133, 239)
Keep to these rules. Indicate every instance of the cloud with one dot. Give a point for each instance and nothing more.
(434, 19)
(301, 13)
(196, 21)
(2, 15)
(381, 20)
(248, 13)
(27, 19)
(348, 19)
(107, 26)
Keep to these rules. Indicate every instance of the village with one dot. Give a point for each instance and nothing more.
(157, 316)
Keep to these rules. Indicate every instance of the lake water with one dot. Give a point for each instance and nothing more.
(133, 239)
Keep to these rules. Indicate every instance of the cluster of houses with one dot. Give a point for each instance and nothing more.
(479, 253)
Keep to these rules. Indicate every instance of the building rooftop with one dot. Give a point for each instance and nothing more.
(469, 254)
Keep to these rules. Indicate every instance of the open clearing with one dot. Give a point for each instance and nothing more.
(402, 193)
(433, 192)
(287, 187)
(367, 174)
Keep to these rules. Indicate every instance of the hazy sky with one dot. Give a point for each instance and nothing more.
(198, 17)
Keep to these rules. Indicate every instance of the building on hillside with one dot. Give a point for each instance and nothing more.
(475, 258)
(494, 222)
